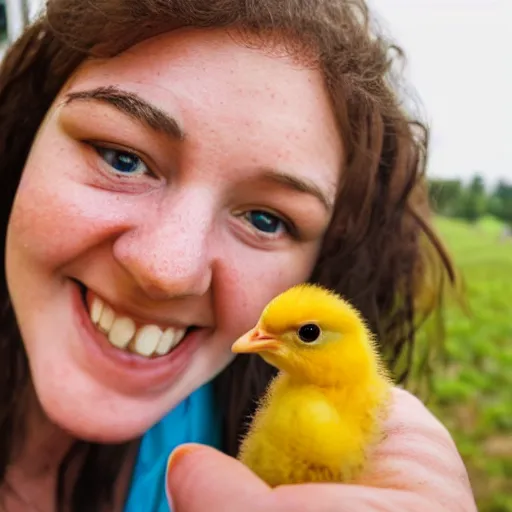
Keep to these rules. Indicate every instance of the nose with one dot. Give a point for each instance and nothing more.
(166, 251)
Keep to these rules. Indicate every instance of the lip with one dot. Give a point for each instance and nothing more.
(127, 372)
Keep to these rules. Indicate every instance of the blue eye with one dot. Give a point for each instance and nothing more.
(265, 221)
(122, 162)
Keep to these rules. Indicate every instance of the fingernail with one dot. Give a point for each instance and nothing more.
(174, 457)
(178, 453)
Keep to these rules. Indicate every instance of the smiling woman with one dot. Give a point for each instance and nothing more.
(133, 168)
(163, 176)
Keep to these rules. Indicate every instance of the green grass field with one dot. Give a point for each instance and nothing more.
(473, 393)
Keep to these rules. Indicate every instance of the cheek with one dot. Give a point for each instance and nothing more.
(248, 282)
(54, 217)
(41, 241)
(42, 218)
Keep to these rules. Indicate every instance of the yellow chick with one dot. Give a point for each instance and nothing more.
(324, 410)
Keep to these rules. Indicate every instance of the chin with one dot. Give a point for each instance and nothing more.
(109, 419)
(98, 428)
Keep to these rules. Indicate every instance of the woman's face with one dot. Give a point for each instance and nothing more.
(170, 193)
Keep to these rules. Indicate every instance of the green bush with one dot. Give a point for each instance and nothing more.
(473, 391)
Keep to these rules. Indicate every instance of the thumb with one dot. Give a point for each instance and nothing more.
(200, 478)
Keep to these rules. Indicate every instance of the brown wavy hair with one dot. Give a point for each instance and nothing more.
(380, 251)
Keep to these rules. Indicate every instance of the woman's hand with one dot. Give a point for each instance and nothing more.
(416, 468)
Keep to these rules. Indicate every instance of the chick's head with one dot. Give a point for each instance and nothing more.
(314, 335)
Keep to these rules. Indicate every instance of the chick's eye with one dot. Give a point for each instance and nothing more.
(122, 162)
(309, 333)
(265, 222)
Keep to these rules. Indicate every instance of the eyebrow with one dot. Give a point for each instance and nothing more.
(137, 108)
(134, 106)
(299, 185)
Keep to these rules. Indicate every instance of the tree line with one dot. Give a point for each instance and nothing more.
(471, 201)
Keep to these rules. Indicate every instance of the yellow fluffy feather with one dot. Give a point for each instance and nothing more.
(324, 410)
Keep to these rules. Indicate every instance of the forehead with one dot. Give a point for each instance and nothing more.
(212, 82)
(212, 52)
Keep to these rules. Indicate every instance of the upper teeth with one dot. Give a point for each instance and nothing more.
(122, 332)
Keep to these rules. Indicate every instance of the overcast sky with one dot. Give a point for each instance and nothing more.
(460, 62)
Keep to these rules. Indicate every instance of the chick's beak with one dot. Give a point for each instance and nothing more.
(256, 340)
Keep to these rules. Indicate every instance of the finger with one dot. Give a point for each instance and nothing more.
(201, 478)
(419, 455)
(347, 498)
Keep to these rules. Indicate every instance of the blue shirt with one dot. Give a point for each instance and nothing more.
(195, 420)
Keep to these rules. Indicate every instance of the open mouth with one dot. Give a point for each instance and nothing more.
(124, 333)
